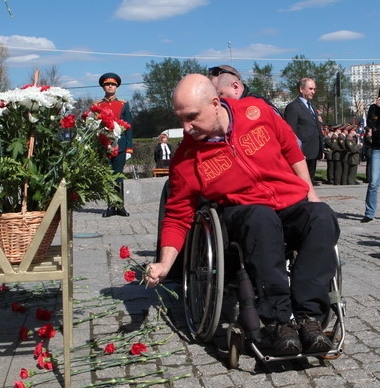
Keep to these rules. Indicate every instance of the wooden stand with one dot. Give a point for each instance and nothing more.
(57, 265)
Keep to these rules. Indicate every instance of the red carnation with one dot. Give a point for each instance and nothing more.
(24, 333)
(107, 121)
(109, 348)
(124, 124)
(68, 121)
(44, 88)
(124, 252)
(27, 86)
(4, 287)
(113, 152)
(138, 348)
(24, 373)
(43, 315)
(15, 306)
(84, 115)
(95, 108)
(19, 384)
(74, 196)
(130, 276)
(39, 349)
(18, 307)
(44, 361)
(46, 331)
(104, 141)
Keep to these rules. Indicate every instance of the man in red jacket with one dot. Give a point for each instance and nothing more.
(242, 155)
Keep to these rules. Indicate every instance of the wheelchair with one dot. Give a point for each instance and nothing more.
(211, 265)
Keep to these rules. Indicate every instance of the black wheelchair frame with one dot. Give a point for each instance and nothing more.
(205, 280)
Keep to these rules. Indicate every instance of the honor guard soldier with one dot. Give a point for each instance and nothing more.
(110, 82)
(353, 148)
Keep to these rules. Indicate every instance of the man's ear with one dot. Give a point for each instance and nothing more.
(235, 84)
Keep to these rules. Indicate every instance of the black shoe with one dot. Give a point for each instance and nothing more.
(316, 183)
(122, 212)
(365, 219)
(313, 339)
(110, 211)
(285, 339)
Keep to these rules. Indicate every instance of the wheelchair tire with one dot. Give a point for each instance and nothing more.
(175, 273)
(203, 274)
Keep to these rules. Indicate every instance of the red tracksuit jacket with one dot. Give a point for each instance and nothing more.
(252, 166)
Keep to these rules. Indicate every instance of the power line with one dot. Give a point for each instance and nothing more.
(142, 55)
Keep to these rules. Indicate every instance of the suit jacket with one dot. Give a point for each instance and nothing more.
(307, 128)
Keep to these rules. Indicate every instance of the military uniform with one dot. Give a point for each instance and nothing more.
(336, 153)
(353, 158)
(343, 158)
(121, 110)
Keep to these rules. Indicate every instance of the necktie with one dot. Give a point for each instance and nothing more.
(310, 108)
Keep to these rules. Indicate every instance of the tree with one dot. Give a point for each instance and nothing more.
(153, 112)
(82, 105)
(300, 67)
(362, 96)
(262, 81)
(4, 80)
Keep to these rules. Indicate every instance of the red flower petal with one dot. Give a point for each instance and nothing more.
(23, 333)
(46, 331)
(109, 348)
(39, 349)
(138, 348)
(130, 276)
(124, 252)
(24, 373)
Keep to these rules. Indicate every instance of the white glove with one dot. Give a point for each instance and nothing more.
(128, 156)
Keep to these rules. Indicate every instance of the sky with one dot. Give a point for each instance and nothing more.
(86, 38)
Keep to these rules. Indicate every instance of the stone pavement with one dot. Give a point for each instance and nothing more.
(117, 307)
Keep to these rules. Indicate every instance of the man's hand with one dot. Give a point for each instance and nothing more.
(156, 273)
(312, 196)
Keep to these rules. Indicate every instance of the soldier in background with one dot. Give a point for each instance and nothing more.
(336, 153)
(353, 148)
(110, 82)
(343, 155)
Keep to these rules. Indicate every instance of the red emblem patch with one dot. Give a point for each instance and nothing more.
(253, 113)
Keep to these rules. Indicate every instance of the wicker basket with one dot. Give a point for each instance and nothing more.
(17, 231)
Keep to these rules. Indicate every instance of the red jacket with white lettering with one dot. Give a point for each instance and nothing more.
(253, 166)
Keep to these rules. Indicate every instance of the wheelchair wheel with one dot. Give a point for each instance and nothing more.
(175, 273)
(335, 288)
(204, 274)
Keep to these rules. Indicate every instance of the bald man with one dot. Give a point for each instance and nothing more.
(267, 201)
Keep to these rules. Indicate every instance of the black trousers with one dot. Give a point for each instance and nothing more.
(312, 167)
(312, 229)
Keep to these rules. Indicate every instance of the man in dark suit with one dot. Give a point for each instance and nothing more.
(302, 116)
